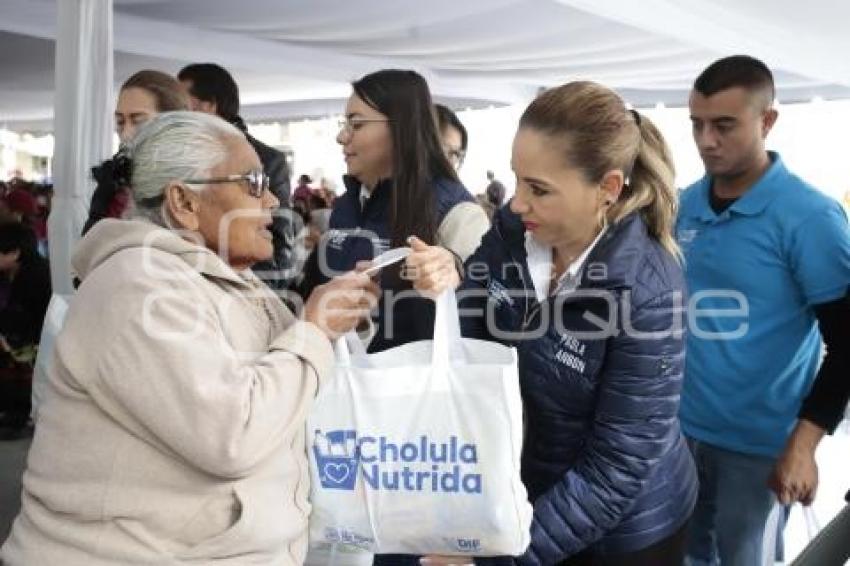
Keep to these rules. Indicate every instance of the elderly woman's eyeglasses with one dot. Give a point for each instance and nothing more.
(351, 125)
(257, 181)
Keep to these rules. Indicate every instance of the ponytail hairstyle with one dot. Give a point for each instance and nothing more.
(651, 188)
(601, 135)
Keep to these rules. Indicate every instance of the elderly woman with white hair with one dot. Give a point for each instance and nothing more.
(173, 430)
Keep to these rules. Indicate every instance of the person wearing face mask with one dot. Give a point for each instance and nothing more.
(142, 96)
(582, 275)
(399, 184)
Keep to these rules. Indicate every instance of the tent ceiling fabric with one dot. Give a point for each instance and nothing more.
(787, 34)
(295, 58)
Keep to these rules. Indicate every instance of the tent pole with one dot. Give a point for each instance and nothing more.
(82, 123)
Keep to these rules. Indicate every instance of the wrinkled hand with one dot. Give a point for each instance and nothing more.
(340, 304)
(795, 475)
(432, 269)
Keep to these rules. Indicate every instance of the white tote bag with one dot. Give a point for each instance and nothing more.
(416, 450)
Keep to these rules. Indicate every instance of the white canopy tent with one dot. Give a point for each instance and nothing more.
(294, 58)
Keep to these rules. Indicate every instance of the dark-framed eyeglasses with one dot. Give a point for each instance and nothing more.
(351, 125)
(455, 156)
(257, 182)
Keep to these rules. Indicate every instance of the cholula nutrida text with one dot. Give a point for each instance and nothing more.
(449, 462)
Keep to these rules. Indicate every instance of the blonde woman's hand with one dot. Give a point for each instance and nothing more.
(431, 269)
(340, 304)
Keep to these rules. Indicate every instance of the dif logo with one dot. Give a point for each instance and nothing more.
(337, 458)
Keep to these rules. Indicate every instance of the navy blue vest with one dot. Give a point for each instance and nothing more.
(357, 234)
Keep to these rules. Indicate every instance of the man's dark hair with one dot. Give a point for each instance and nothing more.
(736, 71)
(447, 118)
(16, 236)
(212, 83)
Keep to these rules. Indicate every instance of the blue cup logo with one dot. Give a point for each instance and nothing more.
(337, 458)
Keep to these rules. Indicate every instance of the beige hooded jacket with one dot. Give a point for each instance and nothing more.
(173, 430)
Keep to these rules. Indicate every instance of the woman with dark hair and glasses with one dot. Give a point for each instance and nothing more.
(399, 184)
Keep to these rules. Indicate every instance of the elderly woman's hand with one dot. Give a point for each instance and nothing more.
(432, 269)
(340, 304)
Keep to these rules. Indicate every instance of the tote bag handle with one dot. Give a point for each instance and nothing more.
(447, 344)
(349, 346)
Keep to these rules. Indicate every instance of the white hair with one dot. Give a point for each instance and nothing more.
(174, 146)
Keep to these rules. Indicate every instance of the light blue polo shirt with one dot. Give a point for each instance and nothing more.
(754, 273)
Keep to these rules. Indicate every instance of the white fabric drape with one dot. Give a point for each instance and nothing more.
(291, 58)
(808, 40)
(83, 122)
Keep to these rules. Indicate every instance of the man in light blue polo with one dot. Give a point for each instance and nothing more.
(767, 260)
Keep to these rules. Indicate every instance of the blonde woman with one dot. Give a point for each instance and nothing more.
(581, 274)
